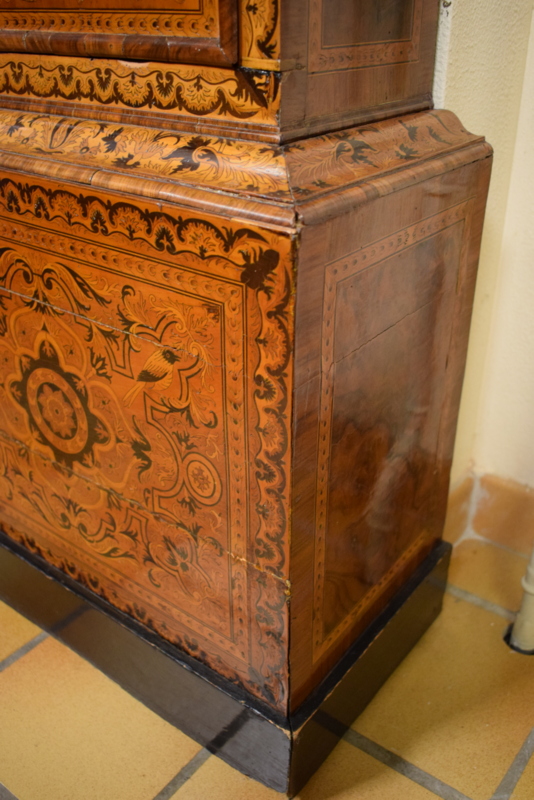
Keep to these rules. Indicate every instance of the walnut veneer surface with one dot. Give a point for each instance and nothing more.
(231, 357)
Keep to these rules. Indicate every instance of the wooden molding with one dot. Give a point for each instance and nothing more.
(303, 171)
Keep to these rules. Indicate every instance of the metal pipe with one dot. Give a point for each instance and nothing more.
(522, 635)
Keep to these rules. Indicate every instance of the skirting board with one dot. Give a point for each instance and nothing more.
(282, 753)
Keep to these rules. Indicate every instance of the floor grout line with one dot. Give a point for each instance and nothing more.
(212, 747)
(509, 782)
(181, 777)
(5, 794)
(22, 651)
(474, 497)
(487, 605)
(29, 646)
(504, 547)
(471, 535)
(403, 767)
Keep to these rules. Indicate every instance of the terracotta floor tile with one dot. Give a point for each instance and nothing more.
(458, 510)
(70, 733)
(525, 786)
(348, 774)
(460, 706)
(505, 513)
(15, 631)
(489, 572)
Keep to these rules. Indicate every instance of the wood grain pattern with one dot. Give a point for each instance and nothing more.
(353, 62)
(348, 23)
(199, 31)
(319, 91)
(384, 295)
(385, 424)
(355, 35)
(144, 366)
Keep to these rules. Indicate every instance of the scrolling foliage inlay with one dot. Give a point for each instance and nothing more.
(144, 362)
(260, 34)
(307, 169)
(189, 91)
(188, 158)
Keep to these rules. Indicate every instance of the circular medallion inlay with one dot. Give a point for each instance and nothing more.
(58, 407)
(202, 479)
(57, 410)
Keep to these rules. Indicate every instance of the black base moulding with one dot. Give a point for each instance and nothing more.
(281, 753)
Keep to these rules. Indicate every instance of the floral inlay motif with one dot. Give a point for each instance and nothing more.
(57, 410)
(213, 94)
(57, 406)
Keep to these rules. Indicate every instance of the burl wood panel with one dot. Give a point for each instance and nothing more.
(384, 295)
(145, 362)
(192, 31)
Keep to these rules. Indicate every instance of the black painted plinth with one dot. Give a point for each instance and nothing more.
(282, 753)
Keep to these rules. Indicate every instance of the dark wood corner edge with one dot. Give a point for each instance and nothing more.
(281, 753)
(330, 710)
(228, 32)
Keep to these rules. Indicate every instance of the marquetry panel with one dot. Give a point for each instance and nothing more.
(192, 159)
(198, 31)
(347, 35)
(315, 167)
(145, 359)
(260, 34)
(150, 92)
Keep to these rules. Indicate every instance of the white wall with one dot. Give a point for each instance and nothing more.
(505, 443)
(481, 76)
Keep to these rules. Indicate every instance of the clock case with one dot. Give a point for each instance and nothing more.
(232, 364)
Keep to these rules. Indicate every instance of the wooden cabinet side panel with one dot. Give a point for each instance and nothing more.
(357, 77)
(384, 301)
(145, 378)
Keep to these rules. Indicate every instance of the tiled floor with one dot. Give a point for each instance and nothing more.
(455, 721)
